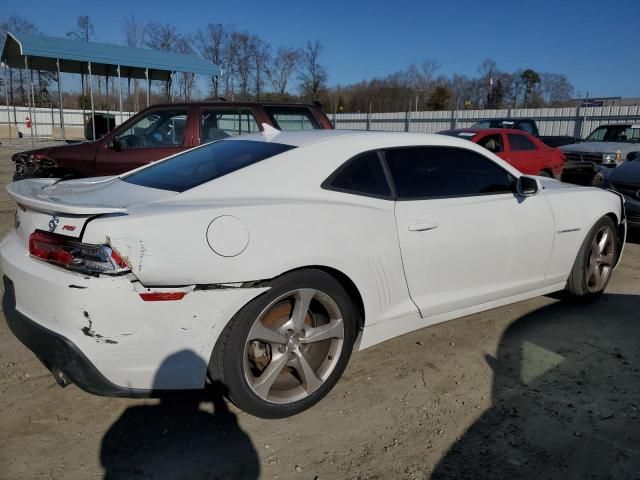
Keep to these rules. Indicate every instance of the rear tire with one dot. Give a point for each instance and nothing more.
(595, 262)
(545, 173)
(286, 349)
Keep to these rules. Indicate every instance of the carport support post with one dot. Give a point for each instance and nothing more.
(60, 99)
(106, 87)
(34, 124)
(6, 97)
(93, 112)
(120, 94)
(26, 67)
(146, 74)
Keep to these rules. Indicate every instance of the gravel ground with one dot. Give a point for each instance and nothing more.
(539, 389)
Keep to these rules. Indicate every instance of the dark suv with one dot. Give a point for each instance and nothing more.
(160, 131)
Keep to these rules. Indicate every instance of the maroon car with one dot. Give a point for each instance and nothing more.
(160, 131)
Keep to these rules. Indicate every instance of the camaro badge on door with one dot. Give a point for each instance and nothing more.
(53, 223)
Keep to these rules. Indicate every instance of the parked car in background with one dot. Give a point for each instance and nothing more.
(520, 149)
(625, 179)
(606, 147)
(263, 261)
(526, 125)
(163, 130)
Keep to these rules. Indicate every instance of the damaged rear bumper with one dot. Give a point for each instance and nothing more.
(101, 334)
(58, 352)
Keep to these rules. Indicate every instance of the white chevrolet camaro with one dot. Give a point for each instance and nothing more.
(263, 261)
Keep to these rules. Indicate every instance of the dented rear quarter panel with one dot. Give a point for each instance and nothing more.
(354, 235)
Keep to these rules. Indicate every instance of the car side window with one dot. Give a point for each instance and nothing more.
(432, 172)
(520, 142)
(493, 143)
(216, 124)
(292, 118)
(158, 128)
(526, 127)
(363, 175)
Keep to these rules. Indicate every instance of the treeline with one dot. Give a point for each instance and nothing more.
(419, 87)
(253, 69)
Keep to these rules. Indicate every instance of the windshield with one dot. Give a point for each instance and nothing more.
(496, 123)
(615, 133)
(460, 134)
(204, 164)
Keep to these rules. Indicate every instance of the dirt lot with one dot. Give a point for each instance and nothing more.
(540, 389)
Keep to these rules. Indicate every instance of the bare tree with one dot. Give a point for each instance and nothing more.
(133, 30)
(312, 75)
(162, 36)
(556, 88)
(284, 63)
(241, 43)
(211, 44)
(17, 24)
(84, 32)
(186, 81)
(429, 67)
(261, 60)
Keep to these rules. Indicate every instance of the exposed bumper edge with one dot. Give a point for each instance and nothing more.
(56, 351)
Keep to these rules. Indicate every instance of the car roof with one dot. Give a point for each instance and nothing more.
(318, 154)
(486, 130)
(380, 139)
(626, 124)
(223, 103)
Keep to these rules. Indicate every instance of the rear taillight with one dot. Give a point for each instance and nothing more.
(74, 255)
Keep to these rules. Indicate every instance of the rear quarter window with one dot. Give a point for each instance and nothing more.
(362, 175)
(200, 165)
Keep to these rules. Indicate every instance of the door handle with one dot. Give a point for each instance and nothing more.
(422, 225)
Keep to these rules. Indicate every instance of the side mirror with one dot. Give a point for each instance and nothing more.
(115, 144)
(526, 186)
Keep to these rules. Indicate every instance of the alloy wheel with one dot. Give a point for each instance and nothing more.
(601, 259)
(293, 346)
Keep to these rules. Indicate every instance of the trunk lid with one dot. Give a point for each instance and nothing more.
(65, 207)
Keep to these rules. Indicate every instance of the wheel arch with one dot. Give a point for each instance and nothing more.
(621, 228)
(347, 283)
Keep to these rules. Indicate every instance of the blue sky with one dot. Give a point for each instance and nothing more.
(595, 43)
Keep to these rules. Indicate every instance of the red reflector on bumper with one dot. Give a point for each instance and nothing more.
(162, 296)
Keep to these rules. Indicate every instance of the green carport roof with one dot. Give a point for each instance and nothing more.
(74, 56)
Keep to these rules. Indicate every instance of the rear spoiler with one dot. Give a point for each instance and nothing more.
(29, 193)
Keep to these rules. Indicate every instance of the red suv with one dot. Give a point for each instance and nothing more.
(520, 149)
(160, 131)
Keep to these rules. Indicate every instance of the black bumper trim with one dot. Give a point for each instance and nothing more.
(56, 351)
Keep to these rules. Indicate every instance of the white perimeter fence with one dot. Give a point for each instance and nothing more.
(44, 119)
(572, 121)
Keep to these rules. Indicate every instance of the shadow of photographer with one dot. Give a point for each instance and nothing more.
(566, 398)
(177, 439)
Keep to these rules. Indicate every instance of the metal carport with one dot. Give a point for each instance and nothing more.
(54, 54)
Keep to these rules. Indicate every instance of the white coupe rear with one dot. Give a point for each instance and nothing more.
(262, 261)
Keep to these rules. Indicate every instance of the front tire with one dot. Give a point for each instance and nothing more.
(286, 349)
(595, 262)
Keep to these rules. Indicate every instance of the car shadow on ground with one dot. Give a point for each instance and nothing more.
(566, 398)
(633, 236)
(177, 439)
